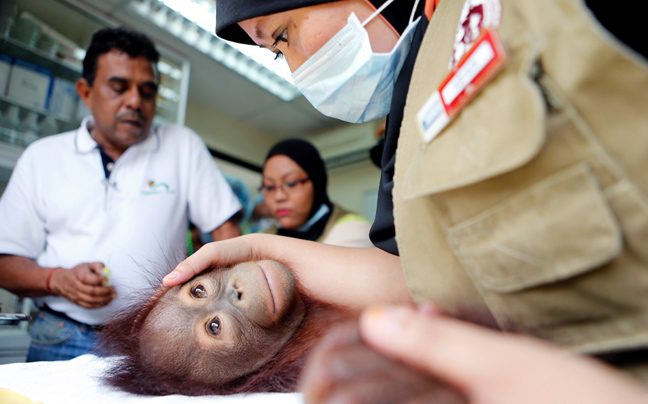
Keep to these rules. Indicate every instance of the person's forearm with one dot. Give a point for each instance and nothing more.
(22, 276)
(229, 229)
(353, 277)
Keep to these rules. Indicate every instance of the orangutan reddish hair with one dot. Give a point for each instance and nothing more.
(203, 338)
(343, 368)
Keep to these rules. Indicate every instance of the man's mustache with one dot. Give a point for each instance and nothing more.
(131, 116)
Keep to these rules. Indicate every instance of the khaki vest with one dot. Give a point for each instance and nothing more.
(532, 204)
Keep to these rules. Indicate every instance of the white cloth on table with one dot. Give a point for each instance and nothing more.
(79, 381)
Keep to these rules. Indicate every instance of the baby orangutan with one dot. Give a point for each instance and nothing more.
(250, 329)
(244, 329)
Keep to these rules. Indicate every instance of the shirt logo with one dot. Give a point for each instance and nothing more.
(154, 188)
(476, 15)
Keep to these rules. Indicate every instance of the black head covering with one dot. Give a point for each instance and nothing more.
(308, 158)
(230, 12)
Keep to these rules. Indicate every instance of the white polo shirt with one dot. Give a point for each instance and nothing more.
(60, 210)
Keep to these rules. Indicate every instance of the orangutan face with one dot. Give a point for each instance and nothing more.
(222, 324)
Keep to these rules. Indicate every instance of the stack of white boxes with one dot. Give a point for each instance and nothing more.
(33, 89)
(29, 84)
(63, 98)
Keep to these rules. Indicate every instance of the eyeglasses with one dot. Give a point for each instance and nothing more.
(286, 187)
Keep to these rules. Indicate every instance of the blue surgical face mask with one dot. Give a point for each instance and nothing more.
(346, 80)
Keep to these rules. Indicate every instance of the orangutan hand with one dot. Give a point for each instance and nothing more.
(82, 285)
(494, 367)
(343, 369)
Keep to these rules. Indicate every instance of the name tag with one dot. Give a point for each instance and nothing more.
(476, 68)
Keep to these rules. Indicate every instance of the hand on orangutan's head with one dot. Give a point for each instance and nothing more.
(244, 329)
(342, 368)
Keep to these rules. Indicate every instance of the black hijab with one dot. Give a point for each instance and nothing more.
(307, 157)
(230, 12)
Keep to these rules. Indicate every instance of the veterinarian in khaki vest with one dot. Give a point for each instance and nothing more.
(513, 179)
(532, 203)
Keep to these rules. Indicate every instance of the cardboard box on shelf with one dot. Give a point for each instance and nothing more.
(63, 98)
(29, 84)
(5, 69)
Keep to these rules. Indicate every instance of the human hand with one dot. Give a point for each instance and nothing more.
(342, 368)
(222, 253)
(82, 285)
(492, 367)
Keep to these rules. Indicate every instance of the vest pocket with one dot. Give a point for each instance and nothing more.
(526, 253)
(557, 229)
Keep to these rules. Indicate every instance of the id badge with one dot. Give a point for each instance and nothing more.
(478, 66)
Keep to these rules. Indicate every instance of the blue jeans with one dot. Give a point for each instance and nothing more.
(56, 339)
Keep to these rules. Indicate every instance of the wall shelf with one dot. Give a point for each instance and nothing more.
(40, 111)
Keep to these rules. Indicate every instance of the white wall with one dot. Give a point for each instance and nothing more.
(227, 135)
(231, 137)
(345, 139)
(353, 185)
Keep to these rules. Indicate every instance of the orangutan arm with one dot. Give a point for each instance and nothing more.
(344, 369)
(352, 277)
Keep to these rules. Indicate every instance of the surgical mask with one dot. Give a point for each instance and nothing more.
(346, 80)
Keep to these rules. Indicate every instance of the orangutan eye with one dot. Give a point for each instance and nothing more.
(198, 292)
(214, 326)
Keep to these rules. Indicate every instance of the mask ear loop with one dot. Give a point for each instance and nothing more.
(411, 20)
(378, 11)
(384, 6)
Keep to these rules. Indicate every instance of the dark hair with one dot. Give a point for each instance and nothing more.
(103, 41)
(308, 158)
(231, 12)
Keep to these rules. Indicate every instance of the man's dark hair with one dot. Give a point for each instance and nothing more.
(134, 44)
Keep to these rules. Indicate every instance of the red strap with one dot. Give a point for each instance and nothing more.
(430, 6)
(47, 282)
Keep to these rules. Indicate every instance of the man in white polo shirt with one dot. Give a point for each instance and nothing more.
(118, 192)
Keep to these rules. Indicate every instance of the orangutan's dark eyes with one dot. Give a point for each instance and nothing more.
(214, 326)
(198, 292)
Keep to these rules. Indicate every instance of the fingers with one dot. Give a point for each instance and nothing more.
(436, 344)
(91, 301)
(484, 364)
(221, 253)
(91, 296)
(193, 265)
(90, 290)
(82, 286)
(90, 273)
(343, 369)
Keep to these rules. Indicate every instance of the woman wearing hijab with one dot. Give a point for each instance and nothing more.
(294, 189)
(518, 187)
